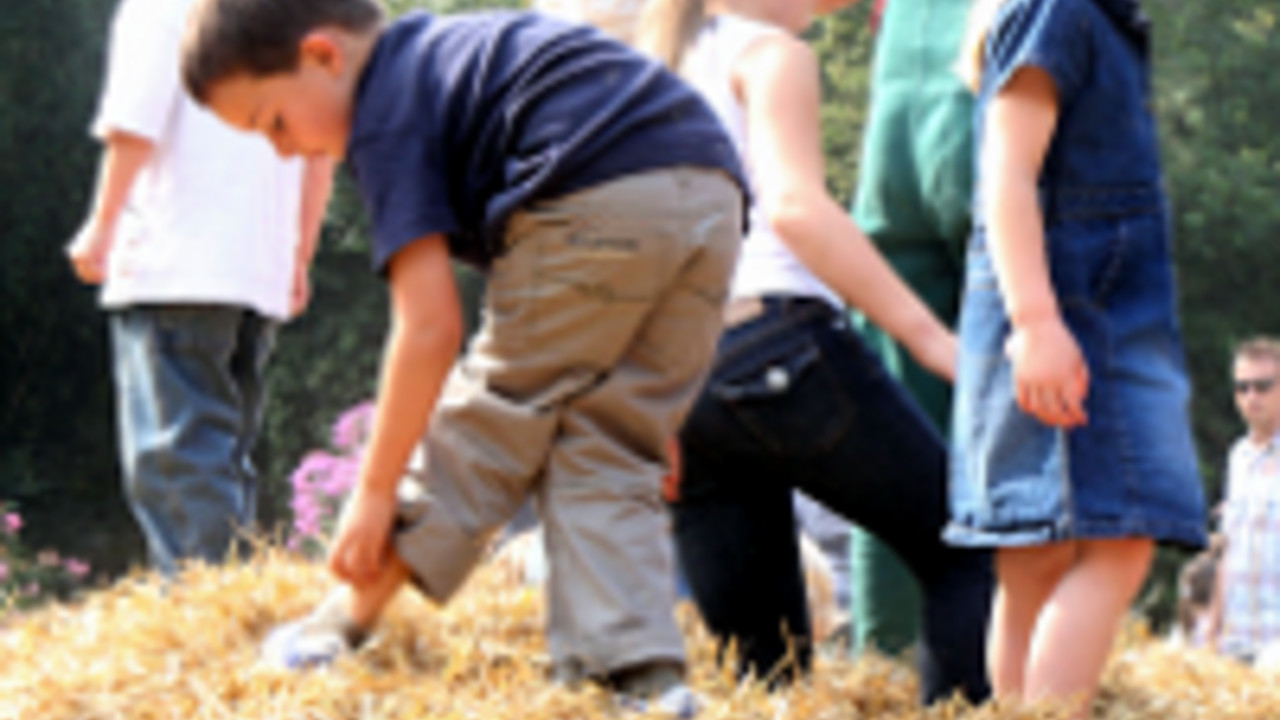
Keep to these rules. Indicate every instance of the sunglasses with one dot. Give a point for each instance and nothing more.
(1262, 386)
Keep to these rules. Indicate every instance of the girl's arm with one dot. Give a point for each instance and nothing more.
(1050, 374)
(425, 335)
(776, 80)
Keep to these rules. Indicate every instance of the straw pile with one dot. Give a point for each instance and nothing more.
(142, 650)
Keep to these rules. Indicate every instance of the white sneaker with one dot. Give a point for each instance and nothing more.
(301, 646)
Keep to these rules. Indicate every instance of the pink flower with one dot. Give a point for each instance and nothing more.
(4, 572)
(341, 478)
(352, 429)
(76, 568)
(316, 463)
(12, 523)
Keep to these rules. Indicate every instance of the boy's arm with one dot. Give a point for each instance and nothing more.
(1049, 371)
(425, 335)
(123, 157)
(317, 186)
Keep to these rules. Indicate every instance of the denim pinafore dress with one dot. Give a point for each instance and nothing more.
(1132, 470)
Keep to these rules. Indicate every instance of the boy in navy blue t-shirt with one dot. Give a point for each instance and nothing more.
(606, 203)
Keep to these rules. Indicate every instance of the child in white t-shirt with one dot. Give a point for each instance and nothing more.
(201, 238)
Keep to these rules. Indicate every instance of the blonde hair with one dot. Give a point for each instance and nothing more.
(972, 49)
(668, 27)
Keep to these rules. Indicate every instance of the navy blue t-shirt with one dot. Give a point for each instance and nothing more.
(461, 120)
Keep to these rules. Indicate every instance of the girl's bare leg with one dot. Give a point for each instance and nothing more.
(1026, 579)
(1078, 624)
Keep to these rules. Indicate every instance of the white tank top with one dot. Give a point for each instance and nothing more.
(766, 265)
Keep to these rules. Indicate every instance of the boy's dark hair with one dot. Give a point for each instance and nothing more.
(225, 38)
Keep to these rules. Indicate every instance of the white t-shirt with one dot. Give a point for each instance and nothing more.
(766, 265)
(215, 215)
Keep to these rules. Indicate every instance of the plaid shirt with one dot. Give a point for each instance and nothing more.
(1251, 523)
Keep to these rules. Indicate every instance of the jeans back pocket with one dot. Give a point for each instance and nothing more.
(779, 396)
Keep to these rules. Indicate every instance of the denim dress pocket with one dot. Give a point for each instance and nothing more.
(775, 395)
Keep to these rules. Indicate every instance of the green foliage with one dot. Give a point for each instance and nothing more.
(1217, 95)
(844, 44)
(29, 579)
(56, 443)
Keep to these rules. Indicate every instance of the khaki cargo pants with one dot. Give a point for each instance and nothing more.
(600, 323)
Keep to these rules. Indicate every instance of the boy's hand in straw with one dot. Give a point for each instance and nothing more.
(1049, 372)
(361, 544)
(89, 250)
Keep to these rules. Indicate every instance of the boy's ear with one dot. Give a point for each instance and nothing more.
(322, 48)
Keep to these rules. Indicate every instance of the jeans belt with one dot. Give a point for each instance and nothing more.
(742, 309)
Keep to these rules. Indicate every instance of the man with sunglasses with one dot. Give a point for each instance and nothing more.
(1246, 609)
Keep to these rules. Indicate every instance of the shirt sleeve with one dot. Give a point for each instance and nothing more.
(142, 84)
(1053, 35)
(403, 181)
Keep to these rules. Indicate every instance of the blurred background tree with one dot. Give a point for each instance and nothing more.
(57, 444)
(1216, 94)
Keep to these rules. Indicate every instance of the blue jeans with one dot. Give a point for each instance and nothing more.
(189, 386)
(796, 400)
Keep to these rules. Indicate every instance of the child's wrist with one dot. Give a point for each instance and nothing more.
(379, 485)
(1034, 314)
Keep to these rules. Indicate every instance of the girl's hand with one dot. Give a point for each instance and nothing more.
(1049, 373)
(360, 546)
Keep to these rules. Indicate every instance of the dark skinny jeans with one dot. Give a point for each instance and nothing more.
(795, 400)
